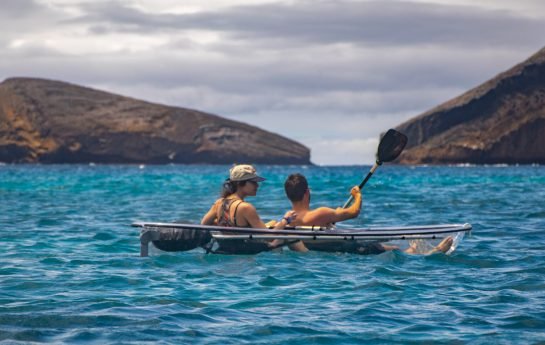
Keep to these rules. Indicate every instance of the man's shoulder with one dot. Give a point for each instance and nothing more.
(320, 216)
(321, 210)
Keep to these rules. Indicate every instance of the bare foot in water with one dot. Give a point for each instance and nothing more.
(443, 247)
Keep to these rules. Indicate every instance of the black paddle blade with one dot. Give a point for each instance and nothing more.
(391, 145)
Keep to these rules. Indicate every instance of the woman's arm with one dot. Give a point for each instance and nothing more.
(210, 216)
(289, 217)
(249, 213)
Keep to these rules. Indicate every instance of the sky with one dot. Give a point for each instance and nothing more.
(330, 74)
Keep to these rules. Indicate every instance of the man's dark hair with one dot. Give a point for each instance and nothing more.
(295, 186)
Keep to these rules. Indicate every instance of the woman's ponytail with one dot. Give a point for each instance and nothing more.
(229, 187)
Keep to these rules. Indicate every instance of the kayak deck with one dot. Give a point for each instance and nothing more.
(180, 236)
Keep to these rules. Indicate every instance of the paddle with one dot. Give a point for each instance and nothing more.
(389, 148)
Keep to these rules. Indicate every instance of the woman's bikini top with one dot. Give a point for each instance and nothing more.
(224, 218)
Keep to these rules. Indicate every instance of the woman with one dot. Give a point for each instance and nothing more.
(232, 211)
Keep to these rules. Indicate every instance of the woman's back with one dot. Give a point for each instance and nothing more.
(226, 214)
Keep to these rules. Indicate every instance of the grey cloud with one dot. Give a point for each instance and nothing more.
(136, 81)
(21, 17)
(322, 85)
(326, 22)
(31, 51)
(15, 9)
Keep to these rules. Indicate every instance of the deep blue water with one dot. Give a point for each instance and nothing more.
(70, 270)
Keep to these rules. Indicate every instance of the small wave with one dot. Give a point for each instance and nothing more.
(499, 165)
(464, 165)
(103, 236)
(52, 261)
(271, 281)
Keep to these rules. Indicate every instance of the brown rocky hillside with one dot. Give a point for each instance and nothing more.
(55, 122)
(500, 121)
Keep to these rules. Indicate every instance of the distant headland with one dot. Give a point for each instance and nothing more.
(500, 121)
(45, 121)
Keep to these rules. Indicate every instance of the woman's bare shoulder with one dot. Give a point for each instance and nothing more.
(217, 203)
(246, 206)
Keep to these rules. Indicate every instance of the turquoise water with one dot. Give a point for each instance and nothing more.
(70, 270)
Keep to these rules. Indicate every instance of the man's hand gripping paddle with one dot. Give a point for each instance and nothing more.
(389, 148)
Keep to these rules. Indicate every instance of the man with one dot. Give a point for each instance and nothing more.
(296, 187)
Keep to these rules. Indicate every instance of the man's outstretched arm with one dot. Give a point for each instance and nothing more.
(354, 210)
(326, 215)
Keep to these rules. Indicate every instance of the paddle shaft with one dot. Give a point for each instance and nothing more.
(377, 164)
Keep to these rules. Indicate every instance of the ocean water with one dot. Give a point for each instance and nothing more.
(70, 270)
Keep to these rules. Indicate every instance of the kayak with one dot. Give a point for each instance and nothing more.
(233, 240)
(374, 240)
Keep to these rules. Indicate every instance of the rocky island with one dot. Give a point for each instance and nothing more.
(500, 121)
(45, 121)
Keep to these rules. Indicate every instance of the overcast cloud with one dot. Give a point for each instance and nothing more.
(330, 74)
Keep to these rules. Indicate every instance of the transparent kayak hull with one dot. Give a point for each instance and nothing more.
(232, 240)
